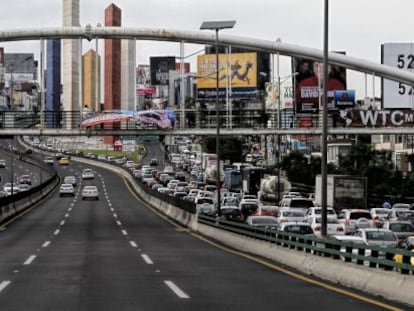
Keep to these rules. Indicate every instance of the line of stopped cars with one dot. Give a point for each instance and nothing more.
(88, 192)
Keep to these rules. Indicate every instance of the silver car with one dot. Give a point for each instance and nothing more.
(377, 236)
(90, 192)
(66, 190)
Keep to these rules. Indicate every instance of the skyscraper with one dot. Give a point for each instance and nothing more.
(71, 64)
(53, 83)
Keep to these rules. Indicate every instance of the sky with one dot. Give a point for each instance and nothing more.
(358, 27)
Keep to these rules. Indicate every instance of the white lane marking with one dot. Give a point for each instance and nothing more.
(4, 284)
(176, 290)
(147, 259)
(118, 223)
(66, 215)
(62, 222)
(56, 232)
(69, 209)
(112, 209)
(133, 244)
(124, 232)
(29, 260)
(115, 215)
(46, 244)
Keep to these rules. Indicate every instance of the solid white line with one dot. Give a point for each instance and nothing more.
(62, 222)
(118, 223)
(176, 290)
(133, 244)
(56, 232)
(124, 232)
(46, 244)
(147, 259)
(4, 284)
(29, 260)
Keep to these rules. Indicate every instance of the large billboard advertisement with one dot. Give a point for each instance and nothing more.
(160, 68)
(308, 84)
(236, 70)
(397, 94)
(143, 82)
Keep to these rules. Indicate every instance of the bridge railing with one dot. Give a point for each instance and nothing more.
(203, 118)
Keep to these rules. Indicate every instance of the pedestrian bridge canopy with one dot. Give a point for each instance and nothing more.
(20, 123)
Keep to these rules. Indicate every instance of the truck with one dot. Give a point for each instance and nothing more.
(342, 191)
(210, 176)
(233, 180)
(270, 190)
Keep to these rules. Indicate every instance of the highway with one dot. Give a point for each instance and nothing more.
(118, 254)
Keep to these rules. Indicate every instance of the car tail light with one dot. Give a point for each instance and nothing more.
(317, 228)
(347, 221)
(340, 229)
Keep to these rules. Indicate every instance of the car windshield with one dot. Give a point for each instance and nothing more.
(301, 203)
(262, 221)
(229, 211)
(205, 200)
(380, 236)
(401, 227)
(405, 214)
(360, 214)
(299, 229)
(292, 214)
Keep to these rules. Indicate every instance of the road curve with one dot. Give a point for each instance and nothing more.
(116, 254)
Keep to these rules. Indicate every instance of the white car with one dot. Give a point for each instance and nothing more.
(66, 189)
(333, 227)
(265, 222)
(90, 192)
(377, 236)
(205, 206)
(87, 173)
(317, 212)
(49, 161)
(70, 180)
(7, 187)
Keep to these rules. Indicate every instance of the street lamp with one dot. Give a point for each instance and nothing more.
(216, 26)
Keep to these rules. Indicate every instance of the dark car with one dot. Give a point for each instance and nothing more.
(153, 162)
(231, 214)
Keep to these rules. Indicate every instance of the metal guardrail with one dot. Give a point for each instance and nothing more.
(360, 254)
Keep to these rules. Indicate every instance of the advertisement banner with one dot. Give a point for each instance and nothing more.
(375, 118)
(308, 82)
(396, 94)
(238, 70)
(344, 99)
(160, 68)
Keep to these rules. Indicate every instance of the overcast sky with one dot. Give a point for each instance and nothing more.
(358, 27)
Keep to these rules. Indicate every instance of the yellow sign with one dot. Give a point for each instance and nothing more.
(237, 69)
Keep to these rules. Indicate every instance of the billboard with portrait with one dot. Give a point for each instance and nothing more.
(397, 95)
(160, 68)
(308, 84)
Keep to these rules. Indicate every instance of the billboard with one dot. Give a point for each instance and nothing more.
(143, 81)
(397, 94)
(160, 67)
(236, 70)
(308, 86)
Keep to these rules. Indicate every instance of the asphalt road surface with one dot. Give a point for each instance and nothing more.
(117, 254)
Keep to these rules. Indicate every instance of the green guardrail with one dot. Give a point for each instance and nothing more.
(371, 256)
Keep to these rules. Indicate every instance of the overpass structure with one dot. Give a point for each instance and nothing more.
(89, 33)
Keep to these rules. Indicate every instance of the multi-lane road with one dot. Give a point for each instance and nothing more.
(118, 254)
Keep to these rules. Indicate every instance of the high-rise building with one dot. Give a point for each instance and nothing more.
(53, 83)
(128, 72)
(71, 64)
(112, 100)
(90, 80)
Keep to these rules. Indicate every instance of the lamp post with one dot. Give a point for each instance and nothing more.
(216, 26)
